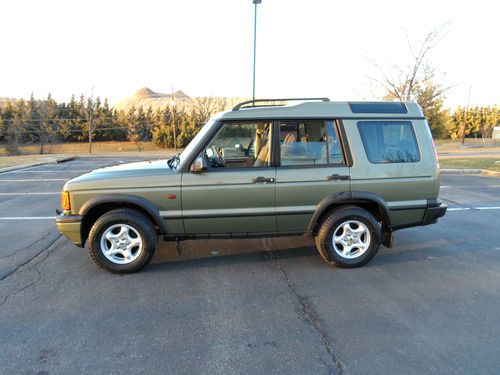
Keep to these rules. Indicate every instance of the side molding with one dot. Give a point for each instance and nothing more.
(125, 198)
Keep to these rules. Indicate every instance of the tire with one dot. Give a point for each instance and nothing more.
(356, 241)
(122, 241)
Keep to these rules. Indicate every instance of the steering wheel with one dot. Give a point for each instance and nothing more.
(219, 160)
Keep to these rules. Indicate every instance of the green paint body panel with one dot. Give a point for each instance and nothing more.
(301, 189)
(228, 201)
(71, 231)
(231, 200)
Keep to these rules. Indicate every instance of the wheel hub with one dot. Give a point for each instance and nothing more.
(351, 239)
(121, 244)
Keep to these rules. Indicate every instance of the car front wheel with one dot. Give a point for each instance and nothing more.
(349, 237)
(122, 241)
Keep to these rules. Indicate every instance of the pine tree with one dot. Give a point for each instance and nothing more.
(7, 117)
(162, 133)
(131, 121)
(15, 134)
(69, 121)
(48, 121)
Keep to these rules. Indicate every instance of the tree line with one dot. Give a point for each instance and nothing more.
(479, 121)
(46, 121)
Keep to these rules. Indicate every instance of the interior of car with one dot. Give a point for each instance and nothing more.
(240, 145)
(243, 145)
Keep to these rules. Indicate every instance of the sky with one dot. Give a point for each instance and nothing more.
(304, 48)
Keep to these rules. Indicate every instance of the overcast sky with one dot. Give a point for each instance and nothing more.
(304, 48)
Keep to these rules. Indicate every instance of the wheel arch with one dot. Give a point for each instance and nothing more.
(371, 202)
(92, 209)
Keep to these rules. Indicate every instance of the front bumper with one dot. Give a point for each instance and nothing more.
(435, 209)
(70, 227)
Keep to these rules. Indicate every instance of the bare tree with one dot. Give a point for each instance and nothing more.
(403, 82)
(204, 107)
(416, 81)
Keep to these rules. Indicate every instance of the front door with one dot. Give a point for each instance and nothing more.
(237, 192)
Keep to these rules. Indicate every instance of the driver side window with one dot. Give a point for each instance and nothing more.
(240, 145)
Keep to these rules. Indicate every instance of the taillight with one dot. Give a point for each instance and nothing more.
(65, 203)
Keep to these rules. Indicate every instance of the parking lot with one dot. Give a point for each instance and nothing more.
(430, 304)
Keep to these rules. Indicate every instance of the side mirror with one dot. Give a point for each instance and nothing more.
(199, 165)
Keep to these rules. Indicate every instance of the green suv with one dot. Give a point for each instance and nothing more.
(346, 173)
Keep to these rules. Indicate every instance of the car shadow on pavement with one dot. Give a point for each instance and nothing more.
(203, 255)
(418, 250)
(258, 255)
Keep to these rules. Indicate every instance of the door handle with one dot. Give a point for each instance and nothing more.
(337, 177)
(262, 180)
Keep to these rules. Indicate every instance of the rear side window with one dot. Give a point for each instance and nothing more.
(303, 143)
(389, 141)
(309, 142)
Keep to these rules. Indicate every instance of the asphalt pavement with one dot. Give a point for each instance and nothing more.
(430, 304)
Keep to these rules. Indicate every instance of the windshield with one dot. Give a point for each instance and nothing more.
(190, 147)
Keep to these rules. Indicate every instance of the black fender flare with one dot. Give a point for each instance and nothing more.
(126, 198)
(348, 198)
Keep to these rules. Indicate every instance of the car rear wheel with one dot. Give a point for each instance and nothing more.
(122, 241)
(349, 237)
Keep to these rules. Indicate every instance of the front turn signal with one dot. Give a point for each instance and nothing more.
(65, 203)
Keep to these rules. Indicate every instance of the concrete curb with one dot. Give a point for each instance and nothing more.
(482, 172)
(22, 166)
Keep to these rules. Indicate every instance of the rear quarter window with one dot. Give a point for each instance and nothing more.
(389, 141)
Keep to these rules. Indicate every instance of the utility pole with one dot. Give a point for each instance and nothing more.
(464, 125)
(173, 118)
(91, 118)
(255, 2)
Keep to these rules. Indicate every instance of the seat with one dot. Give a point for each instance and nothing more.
(286, 147)
(262, 159)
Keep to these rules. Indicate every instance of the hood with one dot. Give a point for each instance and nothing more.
(142, 174)
(140, 165)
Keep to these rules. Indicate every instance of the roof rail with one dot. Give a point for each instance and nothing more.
(244, 104)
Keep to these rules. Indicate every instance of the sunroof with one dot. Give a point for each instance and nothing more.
(382, 107)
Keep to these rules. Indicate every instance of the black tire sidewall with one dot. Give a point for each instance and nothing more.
(139, 223)
(337, 218)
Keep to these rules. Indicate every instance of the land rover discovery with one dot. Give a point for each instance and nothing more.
(347, 173)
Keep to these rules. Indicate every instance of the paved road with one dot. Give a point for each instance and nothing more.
(428, 305)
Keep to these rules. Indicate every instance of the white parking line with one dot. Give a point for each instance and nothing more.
(28, 218)
(52, 171)
(469, 186)
(89, 165)
(473, 208)
(40, 193)
(36, 180)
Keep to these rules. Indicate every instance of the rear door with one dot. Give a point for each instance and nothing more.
(238, 197)
(312, 167)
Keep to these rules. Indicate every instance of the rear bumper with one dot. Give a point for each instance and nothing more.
(70, 227)
(435, 209)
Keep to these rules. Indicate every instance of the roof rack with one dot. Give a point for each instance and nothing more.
(244, 104)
